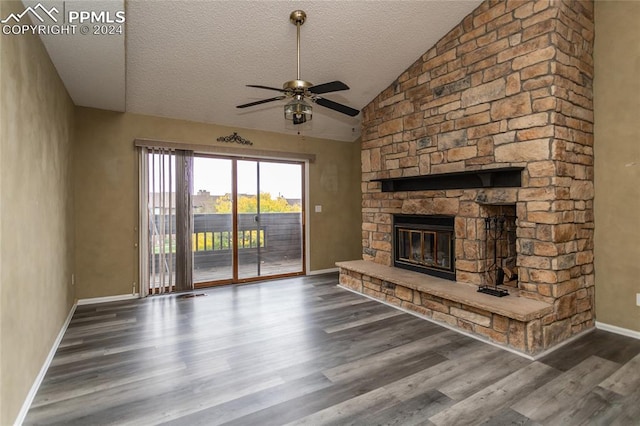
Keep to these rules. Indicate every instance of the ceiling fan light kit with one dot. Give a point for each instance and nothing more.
(298, 111)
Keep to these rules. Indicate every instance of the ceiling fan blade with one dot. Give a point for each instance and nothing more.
(264, 101)
(337, 107)
(266, 87)
(334, 86)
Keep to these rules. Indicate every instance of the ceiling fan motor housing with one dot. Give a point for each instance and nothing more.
(297, 86)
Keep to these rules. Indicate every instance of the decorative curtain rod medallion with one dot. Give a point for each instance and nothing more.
(235, 138)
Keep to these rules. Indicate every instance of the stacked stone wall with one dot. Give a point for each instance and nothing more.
(511, 85)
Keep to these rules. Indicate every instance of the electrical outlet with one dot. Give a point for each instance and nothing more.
(73, 279)
(637, 299)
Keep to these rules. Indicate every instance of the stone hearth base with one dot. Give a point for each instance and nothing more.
(511, 321)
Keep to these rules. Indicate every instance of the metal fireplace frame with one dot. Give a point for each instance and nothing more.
(436, 223)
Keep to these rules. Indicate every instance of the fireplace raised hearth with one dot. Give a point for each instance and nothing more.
(425, 243)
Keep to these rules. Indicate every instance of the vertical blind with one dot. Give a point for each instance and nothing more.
(184, 220)
(166, 222)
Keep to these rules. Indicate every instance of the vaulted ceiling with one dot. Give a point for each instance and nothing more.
(192, 60)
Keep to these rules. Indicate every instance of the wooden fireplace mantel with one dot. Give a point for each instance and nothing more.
(504, 177)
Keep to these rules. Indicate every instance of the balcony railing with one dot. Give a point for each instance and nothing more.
(278, 235)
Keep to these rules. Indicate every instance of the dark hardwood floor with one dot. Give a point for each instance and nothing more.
(303, 351)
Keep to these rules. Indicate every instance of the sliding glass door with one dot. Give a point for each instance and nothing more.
(217, 220)
(212, 220)
(248, 219)
(270, 213)
(280, 215)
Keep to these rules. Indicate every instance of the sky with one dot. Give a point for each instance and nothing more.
(214, 175)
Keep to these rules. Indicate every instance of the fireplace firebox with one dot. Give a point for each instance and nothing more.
(425, 243)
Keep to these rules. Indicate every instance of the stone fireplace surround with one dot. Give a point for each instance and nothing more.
(509, 87)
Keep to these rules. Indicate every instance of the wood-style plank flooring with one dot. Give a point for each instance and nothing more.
(303, 351)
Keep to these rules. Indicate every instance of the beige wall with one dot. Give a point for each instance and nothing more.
(617, 163)
(106, 192)
(36, 221)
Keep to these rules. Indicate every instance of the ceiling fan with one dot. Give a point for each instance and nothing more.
(298, 110)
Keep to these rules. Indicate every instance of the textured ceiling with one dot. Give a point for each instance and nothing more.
(192, 59)
(92, 67)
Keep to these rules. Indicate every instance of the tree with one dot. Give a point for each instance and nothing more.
(248, 204)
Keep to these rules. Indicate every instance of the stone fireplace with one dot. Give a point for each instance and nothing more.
(494, 123)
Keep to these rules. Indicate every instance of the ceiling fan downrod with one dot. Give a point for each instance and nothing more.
(297, 18)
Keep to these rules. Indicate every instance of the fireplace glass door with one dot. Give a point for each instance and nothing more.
(425, 244)
(428, 248)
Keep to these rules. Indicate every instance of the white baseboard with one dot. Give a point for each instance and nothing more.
(564, 343)
(322, 271)
(618, 330)
(105, 299)
(47, 362)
